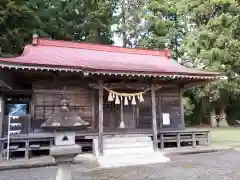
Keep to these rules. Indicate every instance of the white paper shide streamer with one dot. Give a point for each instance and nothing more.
(125, 98)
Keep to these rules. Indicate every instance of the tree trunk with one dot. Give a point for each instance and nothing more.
(223, 119)
(124, 34)
(213, 119)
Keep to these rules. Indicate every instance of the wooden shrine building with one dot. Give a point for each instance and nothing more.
(118, 91)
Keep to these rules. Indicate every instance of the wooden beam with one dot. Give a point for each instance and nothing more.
(195, 83)
(7, 80)
(182, 109)
(52, 91)
(142, 86)
(1, 124)
(15, 92)
(100, 124)
(154, 118)
(1, 114)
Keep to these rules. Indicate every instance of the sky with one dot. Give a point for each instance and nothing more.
(116, 39)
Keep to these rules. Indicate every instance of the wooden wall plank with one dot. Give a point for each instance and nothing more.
(48, 96)
(168, 101)
(82, 100)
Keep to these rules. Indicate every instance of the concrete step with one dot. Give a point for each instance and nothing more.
(126, 136)
(132, 160)
(128, 145)
(126, 139)
(122, 145)
(131, 150)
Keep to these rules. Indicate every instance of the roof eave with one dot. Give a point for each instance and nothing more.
(119, 73)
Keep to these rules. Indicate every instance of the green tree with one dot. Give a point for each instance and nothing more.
(130, 21)
(17, 24)
(165, 26)
(80, 20)
(213, 44)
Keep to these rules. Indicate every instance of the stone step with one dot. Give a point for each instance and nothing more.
(132, 160)
(126, 139)
(126, 136)
(138, 144)
(131, 150)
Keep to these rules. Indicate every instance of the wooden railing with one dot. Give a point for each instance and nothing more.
(28, 144)
(189, 137)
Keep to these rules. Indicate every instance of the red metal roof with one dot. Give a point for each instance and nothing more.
(100, 59)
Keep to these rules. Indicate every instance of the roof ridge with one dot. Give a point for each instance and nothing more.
(102, 47)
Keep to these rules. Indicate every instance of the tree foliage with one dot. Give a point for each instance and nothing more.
(165, 26)
(17, 24)
(160, 17)
(213, 44)
(130, 21)
(205, 34)
(81, 20)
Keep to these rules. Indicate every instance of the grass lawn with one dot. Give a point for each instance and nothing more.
(226, 136)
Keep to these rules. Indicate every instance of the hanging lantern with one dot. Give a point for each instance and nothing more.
(141, 98)
(125, 101)
(110, 96)
(133, 101)
(117, 101)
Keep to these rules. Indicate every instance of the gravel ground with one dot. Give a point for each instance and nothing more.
(211, 166)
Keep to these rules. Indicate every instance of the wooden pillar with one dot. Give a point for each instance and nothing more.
(93, 109)
(194, 143)
(100, 124)
(1, 115)
(27, 149)
(182, 109)
(154, 118)
(1, 124)
(178, 140)
(208, 138)
(162, 140)
(160, 111)
(121, 125)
